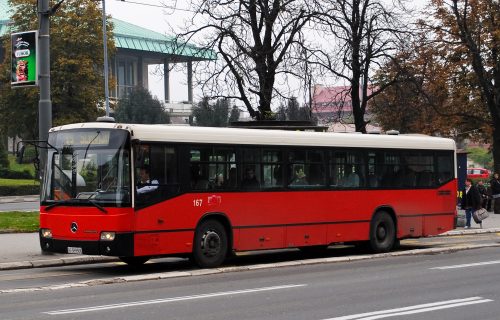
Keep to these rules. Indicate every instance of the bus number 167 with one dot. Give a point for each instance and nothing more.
(197, 202)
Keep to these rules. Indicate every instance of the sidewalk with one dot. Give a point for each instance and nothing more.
(13, 199)
(22, 250)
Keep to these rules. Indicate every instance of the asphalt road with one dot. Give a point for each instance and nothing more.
(458, 285)
(20, 206)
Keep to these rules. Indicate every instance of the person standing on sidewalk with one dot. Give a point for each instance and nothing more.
(483, 192)
(471, 201)
(495, 192)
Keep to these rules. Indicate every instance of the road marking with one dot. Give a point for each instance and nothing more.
(420, 308)
(467, 265)
(175, 299)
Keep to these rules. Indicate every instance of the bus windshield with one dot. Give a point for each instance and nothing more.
(90, 166)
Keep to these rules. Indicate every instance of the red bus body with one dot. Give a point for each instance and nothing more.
(254, 220)
(258, 223)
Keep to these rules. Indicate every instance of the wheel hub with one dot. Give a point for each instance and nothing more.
(381, 232)
(210, 243)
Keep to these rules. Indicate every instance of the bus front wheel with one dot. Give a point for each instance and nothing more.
(210, 244)
(382, 232)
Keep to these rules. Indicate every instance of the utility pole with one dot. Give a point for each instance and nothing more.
(45, 103)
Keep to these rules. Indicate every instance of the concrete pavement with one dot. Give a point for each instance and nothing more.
(15, 199)
(22, 250)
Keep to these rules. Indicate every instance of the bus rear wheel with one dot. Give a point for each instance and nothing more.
(134, 261)
(210, 244)
(382, 232)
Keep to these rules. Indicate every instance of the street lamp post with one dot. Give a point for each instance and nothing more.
(45, 103)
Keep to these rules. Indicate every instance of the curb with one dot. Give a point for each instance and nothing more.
(467, 232)
(55, 262)
(201, 272)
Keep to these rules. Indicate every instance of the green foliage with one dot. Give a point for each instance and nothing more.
(19, 221)
(4, 162)
(141, 107)
(18, 187)
(281, 114)
(21, 190)
(293, 112)
(235, 114)
(18, 182)
(17, 167)
(481, 156)
(76, 67)
(206, 115)
(89, 174)
(11, 174)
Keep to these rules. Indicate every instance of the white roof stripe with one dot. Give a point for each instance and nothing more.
(168, 133)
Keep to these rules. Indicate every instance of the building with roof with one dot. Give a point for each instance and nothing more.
(136, 49)
(332, 106)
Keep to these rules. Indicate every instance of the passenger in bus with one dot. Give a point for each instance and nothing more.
(219, 181)
(278, 175)
(299, 178)
(351, 178)
(146, 184)
(250, 181)
(232, 180)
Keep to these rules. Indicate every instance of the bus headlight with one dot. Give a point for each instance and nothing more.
(46, 233)
(107, 236)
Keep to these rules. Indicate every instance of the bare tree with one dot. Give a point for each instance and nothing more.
(365, 33)
(259, 43)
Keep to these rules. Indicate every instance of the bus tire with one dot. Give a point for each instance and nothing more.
(382, 232)
(134, 261)
(210, 244)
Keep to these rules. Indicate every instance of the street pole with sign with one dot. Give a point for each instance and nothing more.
(45, 103)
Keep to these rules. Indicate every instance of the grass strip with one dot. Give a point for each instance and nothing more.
(19, 221)
(18, 182)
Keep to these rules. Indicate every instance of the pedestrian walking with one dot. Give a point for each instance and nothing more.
(471, 201)
(495, 192)
(483, 192)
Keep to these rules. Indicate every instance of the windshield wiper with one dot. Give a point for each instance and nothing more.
(98, 206)
(73, 201)
(60, 203)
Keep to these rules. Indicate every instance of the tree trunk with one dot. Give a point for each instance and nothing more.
(496, 147)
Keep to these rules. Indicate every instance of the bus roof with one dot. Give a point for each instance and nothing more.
(188, 134)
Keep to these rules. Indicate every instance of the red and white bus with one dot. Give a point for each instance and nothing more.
(214, 191)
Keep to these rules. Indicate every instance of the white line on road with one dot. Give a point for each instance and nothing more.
(427, 307)
(175, 299)
(468, 265)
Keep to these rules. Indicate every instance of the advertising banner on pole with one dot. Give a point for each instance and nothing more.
(24, 66)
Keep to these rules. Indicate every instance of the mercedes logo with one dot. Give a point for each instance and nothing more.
(74, 227)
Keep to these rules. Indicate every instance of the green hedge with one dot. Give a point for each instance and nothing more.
(22, 190)
(11, 174)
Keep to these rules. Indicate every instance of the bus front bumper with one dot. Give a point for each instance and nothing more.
(121, 246)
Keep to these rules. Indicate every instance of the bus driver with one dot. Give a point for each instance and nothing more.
(146, 185)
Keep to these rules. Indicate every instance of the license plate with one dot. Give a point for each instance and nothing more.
(75, 250)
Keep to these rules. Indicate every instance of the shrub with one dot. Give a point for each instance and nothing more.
(10, 174)
(22, 190)
(26, 155)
